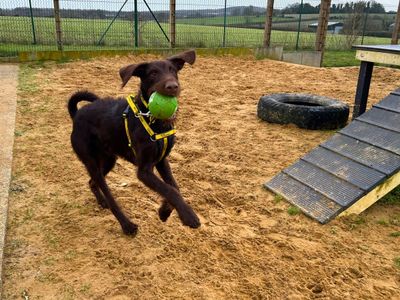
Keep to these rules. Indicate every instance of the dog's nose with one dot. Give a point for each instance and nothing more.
(171, 87)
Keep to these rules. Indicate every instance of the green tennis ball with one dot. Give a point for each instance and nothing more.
(161, 106)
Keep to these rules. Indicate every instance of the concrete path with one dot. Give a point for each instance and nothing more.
(8, 102)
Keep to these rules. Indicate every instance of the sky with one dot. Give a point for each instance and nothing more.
(164, 4)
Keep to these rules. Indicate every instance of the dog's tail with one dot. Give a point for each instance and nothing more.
(78, 97)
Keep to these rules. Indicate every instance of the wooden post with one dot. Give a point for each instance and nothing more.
(322, 26)
(364, 81)
(396, 28)
(172, 23)
(136, 23)
(268, 23)
(58, 24)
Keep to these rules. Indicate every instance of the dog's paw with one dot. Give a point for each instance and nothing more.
(189, 218)
(130, 228)
(164, 212)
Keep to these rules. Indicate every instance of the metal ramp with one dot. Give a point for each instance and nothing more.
(349, 172)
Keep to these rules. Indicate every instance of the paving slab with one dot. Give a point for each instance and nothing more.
(8, 103)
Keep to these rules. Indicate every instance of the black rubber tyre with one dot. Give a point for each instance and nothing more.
(304, 110)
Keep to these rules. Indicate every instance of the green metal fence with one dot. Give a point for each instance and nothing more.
(27, 25)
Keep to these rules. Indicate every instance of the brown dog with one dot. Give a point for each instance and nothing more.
(100, 135)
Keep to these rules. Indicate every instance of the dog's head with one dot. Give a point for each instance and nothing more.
(159, 76)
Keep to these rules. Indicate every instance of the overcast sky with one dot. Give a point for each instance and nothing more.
(164, 4)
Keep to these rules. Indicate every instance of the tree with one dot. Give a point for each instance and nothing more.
(377, 8)
(352, 25)
(248, 11)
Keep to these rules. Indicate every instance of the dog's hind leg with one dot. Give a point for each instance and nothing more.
(165, 172)
(171, 194)
(107, 165)
(97, 176)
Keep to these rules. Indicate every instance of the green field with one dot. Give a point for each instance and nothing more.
(288, 18)
(230, 20)
(78, 34)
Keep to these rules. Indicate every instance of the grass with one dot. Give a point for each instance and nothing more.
(354, 221)
(382, 222)
(230, 20)
(293, 210)
(278, 198)
(27, 83)
(340, 59)
(395, 234)
(396, 261)
(85, 288)
(393, 198)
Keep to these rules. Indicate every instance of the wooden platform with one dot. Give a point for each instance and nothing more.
(350, 171)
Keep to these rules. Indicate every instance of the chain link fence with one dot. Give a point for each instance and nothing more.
(28, 25)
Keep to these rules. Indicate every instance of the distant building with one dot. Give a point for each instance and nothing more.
(333, 27)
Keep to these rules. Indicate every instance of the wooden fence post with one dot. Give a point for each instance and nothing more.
(172, 23)
(322, 26)
(58, 24)
(268, 23)
(396, 28)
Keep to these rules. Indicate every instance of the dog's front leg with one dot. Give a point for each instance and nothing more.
(171, 194)
(165, 172)
(164, 169)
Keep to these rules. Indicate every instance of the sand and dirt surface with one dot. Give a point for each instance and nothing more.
(61, 245)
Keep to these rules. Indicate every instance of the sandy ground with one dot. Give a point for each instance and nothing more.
(61, 245)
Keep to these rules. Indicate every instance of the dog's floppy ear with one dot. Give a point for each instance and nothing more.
(127, 72)
(185, 57)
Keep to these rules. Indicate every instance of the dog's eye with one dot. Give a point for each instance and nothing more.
(172, 70)
(153, 73)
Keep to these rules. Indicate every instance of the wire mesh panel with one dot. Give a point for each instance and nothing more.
(153, 24)
(26, 25)
(294, 24)
(128, 24)
(97, 23)
(221, 24)
(359, 22)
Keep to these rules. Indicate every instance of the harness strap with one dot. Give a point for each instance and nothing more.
(128, 135)
(153, 136)
(164, 149)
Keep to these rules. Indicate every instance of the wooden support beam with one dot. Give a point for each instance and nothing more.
(268, 23)
(373, 196)
(172, 23)
(58, 24)
(396, 28)
(378, 57)
(364, 81)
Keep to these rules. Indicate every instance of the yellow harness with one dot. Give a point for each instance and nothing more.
(138, 114)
